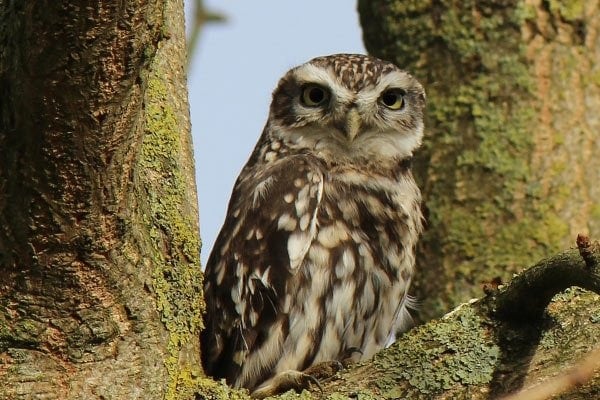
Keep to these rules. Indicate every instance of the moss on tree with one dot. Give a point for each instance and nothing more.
(496, 170)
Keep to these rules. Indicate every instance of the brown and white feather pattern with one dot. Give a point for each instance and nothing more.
(316, 254)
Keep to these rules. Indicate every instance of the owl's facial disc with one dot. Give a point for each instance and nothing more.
(349, 108)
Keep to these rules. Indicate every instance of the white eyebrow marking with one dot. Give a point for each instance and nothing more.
(325, 77)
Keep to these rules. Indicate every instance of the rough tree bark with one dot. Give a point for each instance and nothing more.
(100, 288)
(510, 169)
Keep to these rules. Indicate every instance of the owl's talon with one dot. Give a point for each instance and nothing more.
(348, 358)
(351, 350)
(285, 381)
(324, 370)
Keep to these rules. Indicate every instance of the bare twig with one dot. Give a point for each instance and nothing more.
(586, 250)
(202, 16)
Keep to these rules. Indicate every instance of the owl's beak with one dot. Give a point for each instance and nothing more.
(352, 124)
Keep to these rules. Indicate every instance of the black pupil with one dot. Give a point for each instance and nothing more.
(389, 99)
(316, 95)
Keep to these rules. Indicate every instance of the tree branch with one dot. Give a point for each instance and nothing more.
(576, 376)
(530, 292)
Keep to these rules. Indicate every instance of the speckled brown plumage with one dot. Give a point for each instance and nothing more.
(316, 254)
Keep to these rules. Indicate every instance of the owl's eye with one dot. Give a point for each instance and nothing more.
(314, 96)
(393, 99)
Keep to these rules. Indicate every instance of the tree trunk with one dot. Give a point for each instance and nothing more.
(509, 169)
(100, 288)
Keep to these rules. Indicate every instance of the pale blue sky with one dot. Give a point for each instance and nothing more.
(233, 73)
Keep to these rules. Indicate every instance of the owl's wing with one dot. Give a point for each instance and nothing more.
(270, 224)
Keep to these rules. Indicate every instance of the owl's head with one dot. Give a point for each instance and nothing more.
(349, 106)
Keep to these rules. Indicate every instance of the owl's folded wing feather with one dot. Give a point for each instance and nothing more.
(270, 224)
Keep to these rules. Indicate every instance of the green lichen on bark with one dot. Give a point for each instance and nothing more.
(569, 10)
(487, 217)
(433, 358)
(565, 320)
(176, 258)
(211, 390)
(559, 340)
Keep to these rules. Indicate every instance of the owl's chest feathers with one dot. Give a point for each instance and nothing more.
(371, 209)
(338, 220)
(375, 218)
(358, 268)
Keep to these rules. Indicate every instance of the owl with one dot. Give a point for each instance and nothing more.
(317, 251)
